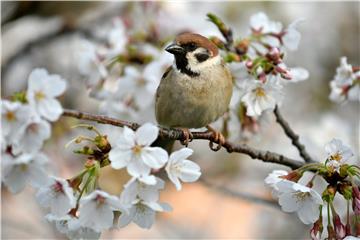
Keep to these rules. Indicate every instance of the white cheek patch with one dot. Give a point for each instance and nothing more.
(197, 67)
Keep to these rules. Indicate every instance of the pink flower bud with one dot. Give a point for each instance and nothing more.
(339, 227)
(356, 200)
(316, 230)
(249, 64)
(274, 55)
(262, 77)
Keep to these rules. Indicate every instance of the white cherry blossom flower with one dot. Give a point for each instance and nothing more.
(143, 213)
(43, 88)
(344, 73)
(136, 189)
(292, 36)
(179, 167)
(71, 227)
(294, 197)
(13, 116)
(275, 177)
(23, 169)
(139, 84)
(58, 196)
(90, 63)
(338, 153)
(260, 22)
(261, 96)
(96, 210)
(134, 152)
(31, 136)
(116, 38)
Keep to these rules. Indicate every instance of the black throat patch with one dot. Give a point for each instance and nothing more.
(182, 63)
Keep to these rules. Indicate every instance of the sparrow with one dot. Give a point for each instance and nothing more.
(196, 90)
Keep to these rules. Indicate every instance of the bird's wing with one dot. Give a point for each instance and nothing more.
(162, 78)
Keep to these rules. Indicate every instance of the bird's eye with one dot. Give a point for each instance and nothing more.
(191, 47)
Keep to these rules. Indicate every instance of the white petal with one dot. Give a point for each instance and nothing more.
(55, 86)
(137, 168)
(50, 109)
(190, 171)
(179, 155)
(298, 74)
(309, 212)
(288, 202)
(119, 158)
(127, 139)
(154, 157)
(146, 134)
(174, 179)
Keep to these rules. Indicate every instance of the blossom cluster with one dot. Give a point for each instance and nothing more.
(80, 209)
(123, 72)
(346, 83)
(25, 126)
(309, 204)
(257, 62)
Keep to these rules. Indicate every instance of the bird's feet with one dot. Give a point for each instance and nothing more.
(217, 138)
(187, 136)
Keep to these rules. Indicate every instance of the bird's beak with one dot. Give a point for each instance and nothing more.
(175, 49)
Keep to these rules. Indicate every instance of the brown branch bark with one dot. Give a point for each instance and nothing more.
(292, 135)
(176, 134)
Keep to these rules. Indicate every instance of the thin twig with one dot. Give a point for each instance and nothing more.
(176, 134)
(241, 195)
(292, 135)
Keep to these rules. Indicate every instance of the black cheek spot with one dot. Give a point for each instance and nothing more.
(201, 57)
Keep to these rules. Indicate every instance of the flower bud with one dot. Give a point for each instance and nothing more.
(293, 176)
(331, 233)
(329, 194)
(218, 42)
(102, 143)
(90, 163)
(274, 55)
(249, 64)
(356, 200)
(345, 190)
(317, 229)
(243, 46)
(339, 227)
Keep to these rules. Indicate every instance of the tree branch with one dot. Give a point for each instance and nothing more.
(176, 134)
(292, 135)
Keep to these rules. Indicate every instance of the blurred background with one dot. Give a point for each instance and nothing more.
(46, 34)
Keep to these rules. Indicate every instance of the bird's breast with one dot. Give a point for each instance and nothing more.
(193, 102)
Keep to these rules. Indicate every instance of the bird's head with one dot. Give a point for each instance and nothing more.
(193, 53)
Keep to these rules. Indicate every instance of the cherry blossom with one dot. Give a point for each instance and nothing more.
(274, 178)
(134, 152)
(294, 197)
(338, 153)
(96, 210)
(136, 189)
(13, 116)
(70, 226)
(116, 38)
(41, 93)
(261, 96)
(58, 196)
(346, 84)
(90, 63)
(143, 213)
(31, 135)
(292, 36)
(25, 168)
(179, 167)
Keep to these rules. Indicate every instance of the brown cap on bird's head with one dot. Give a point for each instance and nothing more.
(198, 40)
